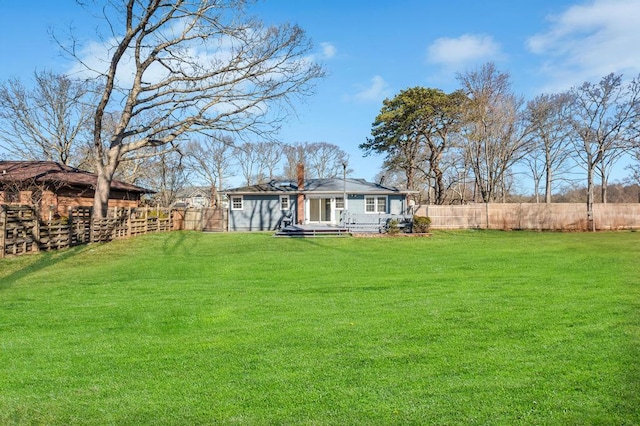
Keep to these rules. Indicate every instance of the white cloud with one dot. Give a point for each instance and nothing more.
(328, 50)
(588, 41)
(376, 91)
(463, 50)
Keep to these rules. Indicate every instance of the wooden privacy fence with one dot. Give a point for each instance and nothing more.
(204, 219)
(553, 217)
(22, 231)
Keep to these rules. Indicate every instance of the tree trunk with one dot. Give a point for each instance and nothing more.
(590, 221)
(103, 185)
(547, 186)
(439, 186)
(101, 197)
(603, 189)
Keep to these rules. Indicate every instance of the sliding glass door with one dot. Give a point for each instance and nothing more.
(320, 210)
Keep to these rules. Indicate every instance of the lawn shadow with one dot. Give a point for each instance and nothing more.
(316, 241)
(41, 261)
(175, 241)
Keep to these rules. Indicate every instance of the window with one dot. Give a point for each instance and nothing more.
(236, 203)
(375, 204)
(284, 202)
(339, 203)
(382, 204)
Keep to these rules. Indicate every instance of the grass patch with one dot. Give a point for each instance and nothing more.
(471, 327)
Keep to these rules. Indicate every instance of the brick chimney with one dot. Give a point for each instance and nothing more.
(300, 203)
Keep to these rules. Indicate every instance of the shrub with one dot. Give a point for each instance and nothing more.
(392, 226)
(421, 224)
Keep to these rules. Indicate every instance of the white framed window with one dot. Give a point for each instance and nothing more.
(381, 206)
(339, 203)
(375, 204)
(237, 202)
(284, 202)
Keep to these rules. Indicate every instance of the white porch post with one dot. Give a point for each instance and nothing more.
(307, 209)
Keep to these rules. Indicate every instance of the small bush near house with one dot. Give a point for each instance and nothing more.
(421, 224)
(393, 227)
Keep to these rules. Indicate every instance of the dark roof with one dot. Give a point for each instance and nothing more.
(335, 185)
(194, 191)
(52, 172)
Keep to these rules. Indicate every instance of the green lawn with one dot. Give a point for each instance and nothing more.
(470, 327)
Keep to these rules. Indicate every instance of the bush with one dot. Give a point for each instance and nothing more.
(392, 226)
(421, 224)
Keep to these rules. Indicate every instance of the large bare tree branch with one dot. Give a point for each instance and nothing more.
(185, 66)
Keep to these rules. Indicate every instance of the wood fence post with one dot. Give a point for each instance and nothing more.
(91, 226)
(3, 229)
(129, 222)
(36, 230)
(146, 220)
(70, 224)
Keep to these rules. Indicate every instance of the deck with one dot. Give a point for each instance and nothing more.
(312, 231)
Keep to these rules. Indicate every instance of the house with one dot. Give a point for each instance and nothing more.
(54, 188)
(194, 197)
(272, 205)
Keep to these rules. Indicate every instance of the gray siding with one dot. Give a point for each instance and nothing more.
(259, 213)
(395, 204)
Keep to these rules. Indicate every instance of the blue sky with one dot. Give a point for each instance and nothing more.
(372, 50)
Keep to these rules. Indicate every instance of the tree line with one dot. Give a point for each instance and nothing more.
(213, 162)
(201, 86)
(465, 145)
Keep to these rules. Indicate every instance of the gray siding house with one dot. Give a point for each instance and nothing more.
(273, 205)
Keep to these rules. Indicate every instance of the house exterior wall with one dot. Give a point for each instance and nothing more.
(58, 204)
(260, 212)
(395, 203)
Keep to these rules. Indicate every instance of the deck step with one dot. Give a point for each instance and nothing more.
(310, 231)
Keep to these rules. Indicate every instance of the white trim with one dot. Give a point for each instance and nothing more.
(376, 206)
(233, 202)
(288, 201)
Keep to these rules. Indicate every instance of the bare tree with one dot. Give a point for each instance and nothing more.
(634, 167)
(190, 66)
(604, 169)
(247, 159)
(458, 175)
(294, 154)
(269, 157)
(494, 135)
(166, 174)
(48, 122)
(325, 160)
(604, 119)
(551, 147)
(210, 159)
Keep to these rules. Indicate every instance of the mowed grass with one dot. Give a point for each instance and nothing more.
(469, 327)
